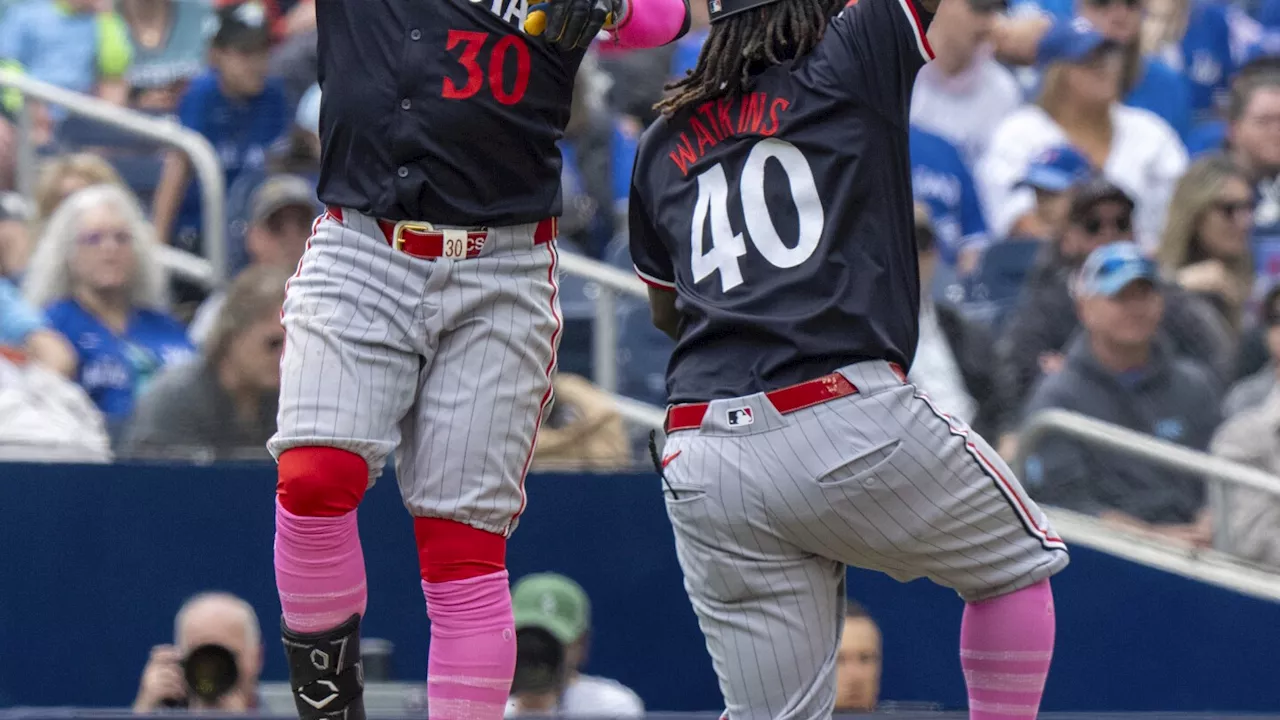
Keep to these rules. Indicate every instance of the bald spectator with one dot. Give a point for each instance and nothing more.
(219, 619)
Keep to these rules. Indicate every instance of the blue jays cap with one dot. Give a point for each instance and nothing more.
(1111, 268)
(1069, 41)
(1057, 169)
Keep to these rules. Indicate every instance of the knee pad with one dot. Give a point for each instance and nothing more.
(449, 550)
(321, 481)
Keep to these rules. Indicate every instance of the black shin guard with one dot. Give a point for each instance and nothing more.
(325, 672)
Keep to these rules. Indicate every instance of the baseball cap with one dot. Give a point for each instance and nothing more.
(1069, 41)
(1057, 169)
(278, 192)
(1111, 268)
(242, 26)
(553, 603)
(1095, 191)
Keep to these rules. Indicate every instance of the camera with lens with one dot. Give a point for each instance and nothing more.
(540, 663)
(209, 672)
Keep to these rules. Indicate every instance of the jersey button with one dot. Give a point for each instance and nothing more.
(415, 34)
(405, 104)
(403, 172)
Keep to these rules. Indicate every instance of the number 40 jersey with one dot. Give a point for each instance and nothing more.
(783, 219)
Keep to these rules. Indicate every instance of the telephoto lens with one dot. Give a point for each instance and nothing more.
(210, 671)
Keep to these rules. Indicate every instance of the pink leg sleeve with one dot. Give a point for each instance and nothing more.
(1006, 644)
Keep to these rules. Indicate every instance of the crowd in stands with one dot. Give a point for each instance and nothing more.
(1098, 221)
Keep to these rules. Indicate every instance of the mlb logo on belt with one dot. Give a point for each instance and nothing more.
(740, 417)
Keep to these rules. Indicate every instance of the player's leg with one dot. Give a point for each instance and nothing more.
(909, 491)
(462, 467)
(347, 378)
(771, 612)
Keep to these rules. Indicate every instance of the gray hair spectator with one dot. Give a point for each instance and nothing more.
(859, 661)
(1045, 319)
(209, 619)
(1119, 371)
(1251, 435)
(954, 360)
(553, 624)
(224, 404)
(282, 211)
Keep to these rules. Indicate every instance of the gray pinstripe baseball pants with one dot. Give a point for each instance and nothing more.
(770, 513)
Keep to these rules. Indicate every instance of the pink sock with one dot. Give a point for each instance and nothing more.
(650, 23)
(473, 648)
(1006, 644)
(319, 570)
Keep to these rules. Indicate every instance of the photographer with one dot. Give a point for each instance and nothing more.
(213, 663)
(552, 617)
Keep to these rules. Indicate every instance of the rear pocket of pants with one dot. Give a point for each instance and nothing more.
(862, 469)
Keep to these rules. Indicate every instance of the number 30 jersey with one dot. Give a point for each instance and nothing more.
(782, 219)
(441, 110)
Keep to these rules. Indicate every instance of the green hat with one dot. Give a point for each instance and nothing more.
(553, 603)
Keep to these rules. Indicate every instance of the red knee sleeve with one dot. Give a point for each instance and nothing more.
(449, 550)
(321, 481)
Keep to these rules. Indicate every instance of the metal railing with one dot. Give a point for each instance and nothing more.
(210, 272)
(1153, 450)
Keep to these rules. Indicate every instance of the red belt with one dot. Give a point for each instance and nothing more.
(785, 400)
(422, 240)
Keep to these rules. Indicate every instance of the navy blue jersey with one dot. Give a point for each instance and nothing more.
(441, 111)
(783, 219)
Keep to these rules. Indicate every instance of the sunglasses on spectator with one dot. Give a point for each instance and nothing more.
(1094, 224)
(1234, 208)
(123, 237)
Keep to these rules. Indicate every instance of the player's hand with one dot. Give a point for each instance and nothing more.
(570, 23)
(161, 679)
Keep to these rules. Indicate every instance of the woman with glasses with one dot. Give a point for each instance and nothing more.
(1205, 246)
(97, 273)
(1079, 105)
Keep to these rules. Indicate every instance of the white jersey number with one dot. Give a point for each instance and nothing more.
(726, 245)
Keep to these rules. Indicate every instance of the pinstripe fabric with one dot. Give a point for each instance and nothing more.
(770, 513)
(453, 357)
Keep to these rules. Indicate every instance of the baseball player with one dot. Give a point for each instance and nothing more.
(423, 319)
(771, 214)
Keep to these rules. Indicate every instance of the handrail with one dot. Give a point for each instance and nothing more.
(1151, 449)
(204, 161)
(606, 275)
(604, 339)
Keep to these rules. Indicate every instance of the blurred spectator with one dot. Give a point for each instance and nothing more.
(992, 290)
(858, 662)
(955, 362)
(97, 272)
(1253, 134)
(1251, 391)
(224, 404)
(295, 59)
(236, 107)
(551, 607)
(1118, 371)
(65, 174)
(15, 236)
(582, 430)
(279, 227)
(964, 93)
(1194, 38)
(46, 418)
(940, 179)
(74, 44)
(1251, 435)
(298, 153)
(1146, 82)
(1206, 238)
(587, 173)
(688, 48)
(214, 619)
(1078, 105)
(1045, 319)
(170, 40)
(25, 328)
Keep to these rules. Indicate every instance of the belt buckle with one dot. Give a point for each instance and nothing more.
(397, 234)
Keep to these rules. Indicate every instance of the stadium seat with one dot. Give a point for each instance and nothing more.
(991, 291)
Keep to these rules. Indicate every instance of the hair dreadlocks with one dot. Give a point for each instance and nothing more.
(746, 42)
